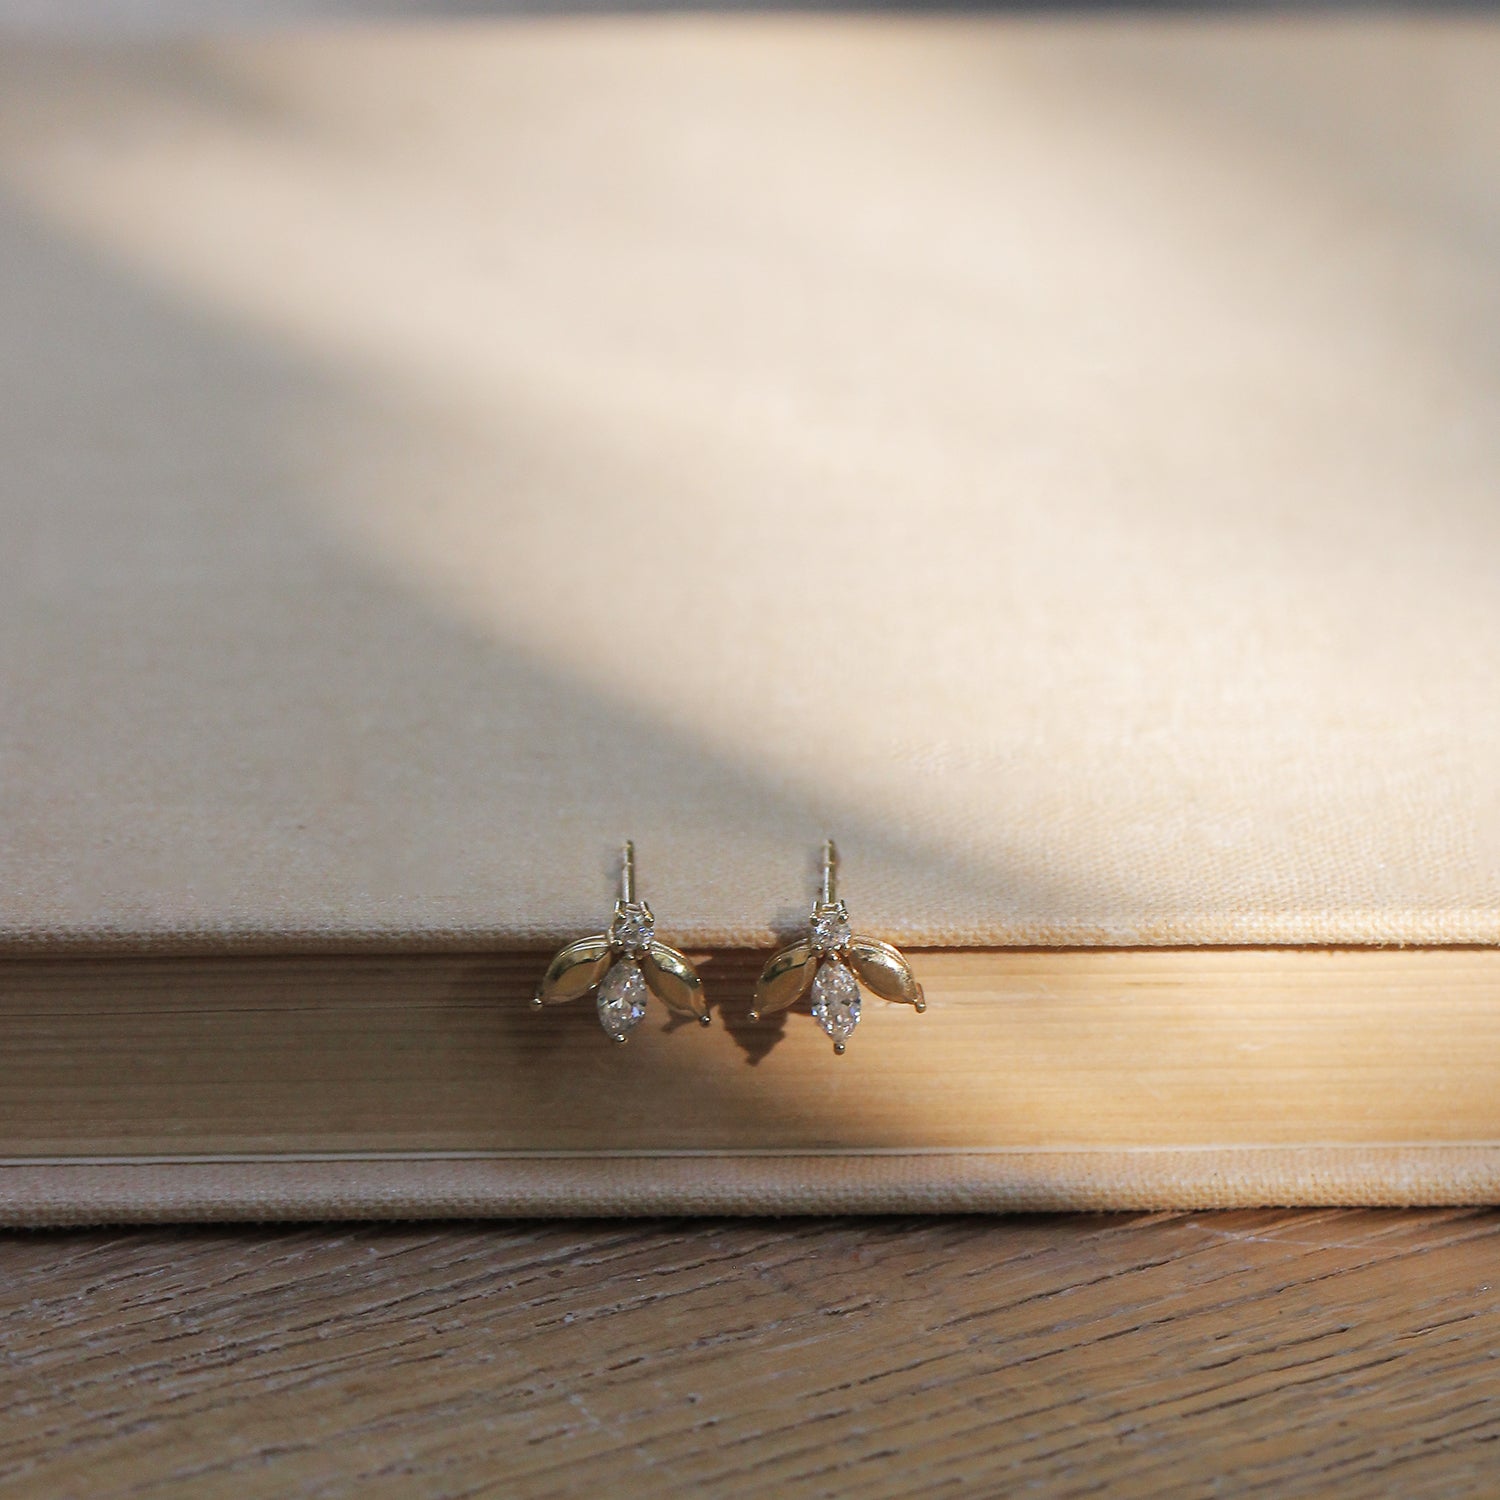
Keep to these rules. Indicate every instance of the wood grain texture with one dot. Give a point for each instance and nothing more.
(1259, 1353)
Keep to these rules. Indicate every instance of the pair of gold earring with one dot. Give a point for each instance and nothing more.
(629, 962)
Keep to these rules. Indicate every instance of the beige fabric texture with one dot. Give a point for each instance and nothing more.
(1057, 457)
(57, 1193)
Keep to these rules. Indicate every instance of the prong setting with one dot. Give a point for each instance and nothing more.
(623, 966)
(834, 963)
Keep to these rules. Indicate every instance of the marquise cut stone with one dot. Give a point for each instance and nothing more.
(835, 1000)
(622, 999)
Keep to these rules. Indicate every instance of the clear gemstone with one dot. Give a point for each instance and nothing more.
(829, 929)
(835, 1000)
(622, 999)
(633, 928)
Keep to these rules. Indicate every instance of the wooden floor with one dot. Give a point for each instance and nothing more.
(1276, 1353)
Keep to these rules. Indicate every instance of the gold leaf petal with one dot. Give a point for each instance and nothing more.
(882, 970)
(674, 981)
(574, 971)
(784, 980)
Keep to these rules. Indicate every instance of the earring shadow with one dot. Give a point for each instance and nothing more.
(733, 977)
(736, 974)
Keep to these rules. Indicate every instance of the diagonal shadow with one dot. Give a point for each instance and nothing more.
(224, 729)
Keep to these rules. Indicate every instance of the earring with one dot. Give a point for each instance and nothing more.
(829, 958)
(624, 963)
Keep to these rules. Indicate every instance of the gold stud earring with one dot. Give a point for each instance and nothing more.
(830, 959)
(624, 963)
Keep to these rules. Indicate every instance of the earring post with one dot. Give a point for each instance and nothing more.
(830, 872)
(627, 873)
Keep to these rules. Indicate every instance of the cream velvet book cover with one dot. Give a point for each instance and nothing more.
(1056, 457)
